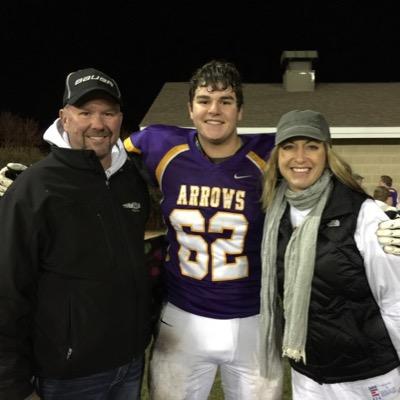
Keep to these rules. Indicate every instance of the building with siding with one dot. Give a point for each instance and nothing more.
(364, 119)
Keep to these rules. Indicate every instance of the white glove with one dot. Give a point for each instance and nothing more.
(389, 236)
(4, 181)
(8, 174)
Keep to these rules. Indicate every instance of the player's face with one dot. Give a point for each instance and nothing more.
(215, 115)
(301, 162)
(95, 125)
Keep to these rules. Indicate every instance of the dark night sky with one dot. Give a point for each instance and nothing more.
(143, 45)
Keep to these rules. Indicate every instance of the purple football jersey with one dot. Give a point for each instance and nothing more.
(214, 219)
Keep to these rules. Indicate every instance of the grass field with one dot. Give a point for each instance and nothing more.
(217, 394)
(24, 155)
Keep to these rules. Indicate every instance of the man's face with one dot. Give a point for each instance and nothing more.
(94, 125)
(215, 114)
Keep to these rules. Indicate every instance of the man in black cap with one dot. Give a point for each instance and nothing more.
(74, 292)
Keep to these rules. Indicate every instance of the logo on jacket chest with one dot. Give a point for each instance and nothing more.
(133, 206)
(334, 223)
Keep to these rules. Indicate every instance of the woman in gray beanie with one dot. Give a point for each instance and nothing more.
(326, 279)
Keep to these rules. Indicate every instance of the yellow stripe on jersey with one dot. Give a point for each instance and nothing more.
(169, 156)
(130, 147)
(257, 160)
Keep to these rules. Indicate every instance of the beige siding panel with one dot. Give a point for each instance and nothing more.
(372, 160)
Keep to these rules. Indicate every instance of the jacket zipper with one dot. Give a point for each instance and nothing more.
(69, 350)
(69, 353)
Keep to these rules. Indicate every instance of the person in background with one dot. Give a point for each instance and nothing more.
(210, 178)
(383, 198)
(74, 292)
(324, 273)
(387, 181)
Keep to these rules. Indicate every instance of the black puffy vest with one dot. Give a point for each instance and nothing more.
(347, 339)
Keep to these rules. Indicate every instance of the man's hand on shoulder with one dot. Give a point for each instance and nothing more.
(8, 174)
(389, 236)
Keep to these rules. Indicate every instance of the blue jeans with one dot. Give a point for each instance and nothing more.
(123, 383)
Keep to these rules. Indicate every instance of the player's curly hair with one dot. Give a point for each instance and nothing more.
(219, 75)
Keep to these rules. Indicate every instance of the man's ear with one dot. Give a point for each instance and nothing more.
(240, 114)
(61, 113)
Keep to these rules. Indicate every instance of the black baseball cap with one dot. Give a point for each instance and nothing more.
(79, 84)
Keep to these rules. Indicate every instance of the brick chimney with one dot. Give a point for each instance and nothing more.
(299, 75)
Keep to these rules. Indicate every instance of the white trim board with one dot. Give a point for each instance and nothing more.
(338, 132)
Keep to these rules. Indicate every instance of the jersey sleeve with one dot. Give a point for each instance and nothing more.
(140, 143)
(383, 270)
(153, 142)
(261, 146)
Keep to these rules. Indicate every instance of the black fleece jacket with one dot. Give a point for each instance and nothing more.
(74, 292)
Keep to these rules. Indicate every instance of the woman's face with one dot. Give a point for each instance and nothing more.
(301, 162)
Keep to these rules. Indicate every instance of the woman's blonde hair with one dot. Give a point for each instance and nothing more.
(339, 167)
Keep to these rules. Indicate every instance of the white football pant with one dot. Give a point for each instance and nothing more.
(190, 348)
